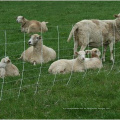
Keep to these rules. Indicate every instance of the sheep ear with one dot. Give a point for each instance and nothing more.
(76, 53)
(115, 15)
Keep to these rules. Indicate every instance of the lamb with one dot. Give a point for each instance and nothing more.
(95, 52)
(2, 68)
(80, 64)
(95, 61)
(10, 69)
(64, 66)
(96, 33)
(31, 26)
(38, 53)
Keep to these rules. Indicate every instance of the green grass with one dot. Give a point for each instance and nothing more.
(95, 89)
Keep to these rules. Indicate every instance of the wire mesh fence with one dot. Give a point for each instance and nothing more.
(33, 79)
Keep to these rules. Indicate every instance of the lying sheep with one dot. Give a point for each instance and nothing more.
(10, 69)
(38, 53)
(3, 64)
(95, 52)
(65, 66)
(96, 33)
(31, 26)
(80, 64)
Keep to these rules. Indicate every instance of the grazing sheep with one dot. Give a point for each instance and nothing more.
(38, 53)
(31, 26)
(3, 64)
(11, 70)
(96, 33)
(95, 61)
(65, 66)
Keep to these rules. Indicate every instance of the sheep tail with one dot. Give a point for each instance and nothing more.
(72, 32)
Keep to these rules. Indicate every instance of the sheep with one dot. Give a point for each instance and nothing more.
(10, 69)
(38, 53)
(80, 64)
(95, 52)
(64, 66)
(2, 68)
(96, 33)
(95, 61)
(31, 26)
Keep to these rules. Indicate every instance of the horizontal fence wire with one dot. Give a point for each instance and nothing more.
(63, 49)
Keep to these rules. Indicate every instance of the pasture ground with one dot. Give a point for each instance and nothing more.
(97, 89)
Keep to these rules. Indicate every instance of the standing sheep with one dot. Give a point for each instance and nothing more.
(38, 53)
(10, 69)
(31, 26)
(65, 66)
(96, 33)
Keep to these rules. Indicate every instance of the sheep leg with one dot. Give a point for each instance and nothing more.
(111, 51)
(75, 46)
(21, 57)
(105, 49)
(83, 47)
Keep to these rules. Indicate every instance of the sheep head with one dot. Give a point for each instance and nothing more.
(34, 39)
(20, 19)
(81, 55)
(95, 52)
(6, 60)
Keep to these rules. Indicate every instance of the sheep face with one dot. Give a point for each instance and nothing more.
(20, 19)
(95, 52)
(81, 55)
(34, 39)
(6, 60)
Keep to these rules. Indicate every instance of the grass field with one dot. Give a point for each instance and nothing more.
(95, 89)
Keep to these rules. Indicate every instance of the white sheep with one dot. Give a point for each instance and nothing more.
(95, 52)
(31, 26)
(38, 53)
(65, 66)
(96, 33)
(80, 64)
(10, 69)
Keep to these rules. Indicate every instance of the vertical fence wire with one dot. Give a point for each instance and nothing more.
(102, 49)
(42, 59)
(58, 42)
(72, 63)
(113, 49)
(84, 75)
(5, 42)
(22, 70)
(2, 87)
(58, 33)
